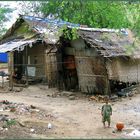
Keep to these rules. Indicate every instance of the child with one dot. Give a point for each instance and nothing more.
(17, 75)
(106, 113)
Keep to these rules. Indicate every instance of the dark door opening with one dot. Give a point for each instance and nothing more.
(70, 73)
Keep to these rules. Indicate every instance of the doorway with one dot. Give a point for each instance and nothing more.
(70, 73)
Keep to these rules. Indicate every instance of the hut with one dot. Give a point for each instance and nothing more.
(103, 60)
(33, 47)
(98, 61)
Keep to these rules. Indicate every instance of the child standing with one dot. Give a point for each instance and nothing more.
(106, 113)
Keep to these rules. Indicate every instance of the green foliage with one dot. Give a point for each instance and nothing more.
(4, 11)
(101, 14)
(3, 17)
(74, 34)
(132, 11)
(70, 34)
(24, 30)
(9, 123)
(95, 14)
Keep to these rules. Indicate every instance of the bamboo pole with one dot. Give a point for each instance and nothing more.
(11, 69)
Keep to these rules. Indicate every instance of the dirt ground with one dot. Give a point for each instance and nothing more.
(77, 118)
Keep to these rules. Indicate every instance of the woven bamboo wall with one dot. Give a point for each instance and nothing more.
(124, 70)
(92, 75)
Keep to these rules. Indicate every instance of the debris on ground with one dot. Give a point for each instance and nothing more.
(33, 107)
(67, 93)
(72, 97)
(54, 95)
(32, 130)
(21, 109)
(130, 123)
(134, 133)
(93, 98)
(6, 121)
(18, 108)
(3, 117)
(49, 125)
(21, 124)
(14, 118)
(128, 92)
(98, 98)
(114, 98)
(113, 131)
(17, 89)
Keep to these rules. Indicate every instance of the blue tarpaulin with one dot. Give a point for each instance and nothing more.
(56, 22)
(3, 57)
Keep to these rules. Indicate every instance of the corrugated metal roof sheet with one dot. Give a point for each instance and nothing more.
(48, 28)
(15, 45)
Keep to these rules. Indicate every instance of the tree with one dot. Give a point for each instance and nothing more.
(96, 14)
(29, 8)
(4, 11)
(100, 14)
(132, 13)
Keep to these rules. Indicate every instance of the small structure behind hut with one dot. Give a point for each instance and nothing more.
(105, 59)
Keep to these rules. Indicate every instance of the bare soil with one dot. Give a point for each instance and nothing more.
(78, 118)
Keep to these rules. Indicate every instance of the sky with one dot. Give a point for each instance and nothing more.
(15, 14)
(18, 9)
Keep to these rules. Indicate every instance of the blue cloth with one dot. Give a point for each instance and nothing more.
(3, 57)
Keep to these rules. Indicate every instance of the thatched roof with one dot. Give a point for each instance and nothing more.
(111, 43)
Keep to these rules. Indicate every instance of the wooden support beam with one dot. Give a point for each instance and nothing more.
(26, 69)
(11, 69)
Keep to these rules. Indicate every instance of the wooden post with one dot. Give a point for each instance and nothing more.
(2, 81)
(49, 71)
(11, 69)
(107, 78)
(137, 73)
(26, 61)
